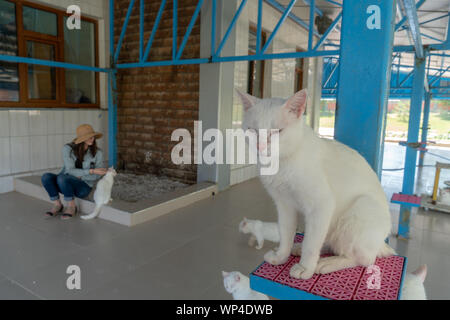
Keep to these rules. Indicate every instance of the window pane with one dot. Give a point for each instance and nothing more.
(79, 48)
(80, 86)
(41, 79)
(9, 76)
(39, 21)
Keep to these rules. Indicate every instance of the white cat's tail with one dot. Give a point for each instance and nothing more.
(94, 213)
(386, 251)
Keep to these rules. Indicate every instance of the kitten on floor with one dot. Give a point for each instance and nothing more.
(330, 184)
(413, 288)
(102, 194)
(259, 231)
(239, 286)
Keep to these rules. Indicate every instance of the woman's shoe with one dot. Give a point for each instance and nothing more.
(54, 211)
(70, 212)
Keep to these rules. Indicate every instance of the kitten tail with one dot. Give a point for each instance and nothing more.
(94, 214)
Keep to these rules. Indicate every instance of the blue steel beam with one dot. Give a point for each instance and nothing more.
(413, 21)
(50, 63)
(259, 27)
(413, 136)
(403, 20)
(326, 34)
(230, 27)
(141, 29)
(189, 29)
(213, 27)
(364, 79)
(155, 27)
(124, 29)
(112, 101)
(311, 23)
(425, 121)
(174, 29)
(279, 24)
(316, 10)
(438, 76)
(294, 18)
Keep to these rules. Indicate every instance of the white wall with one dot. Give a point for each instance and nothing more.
(279, 75)
(31, 139)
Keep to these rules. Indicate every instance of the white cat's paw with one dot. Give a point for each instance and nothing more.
(300, 272)
(297, 249)
(274, 258)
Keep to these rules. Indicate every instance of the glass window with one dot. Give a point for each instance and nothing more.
(41, 79)
(40, 21)
(9, 75)
(79, 48)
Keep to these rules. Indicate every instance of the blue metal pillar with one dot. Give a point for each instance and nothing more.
(426, 118)
(112, 91)
(365, 66)
(415, 111)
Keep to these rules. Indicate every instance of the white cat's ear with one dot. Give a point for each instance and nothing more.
(248, 101)
(297, 103)
(225, 274)
(421, 272)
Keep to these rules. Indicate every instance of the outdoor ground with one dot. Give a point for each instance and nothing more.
(179, 255)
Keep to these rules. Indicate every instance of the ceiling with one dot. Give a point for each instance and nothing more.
(431, 31)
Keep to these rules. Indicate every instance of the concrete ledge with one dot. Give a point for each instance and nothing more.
(126, 213)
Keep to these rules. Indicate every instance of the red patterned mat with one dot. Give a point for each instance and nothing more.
(382, 281)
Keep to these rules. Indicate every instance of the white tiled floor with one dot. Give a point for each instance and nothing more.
(179, 255)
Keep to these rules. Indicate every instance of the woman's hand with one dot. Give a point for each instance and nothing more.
(98, 171)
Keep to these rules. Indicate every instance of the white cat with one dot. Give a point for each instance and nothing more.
(413, 288)
(444, 196)
(239, 286)
(260, 231)
(102, 194)
(340, 196)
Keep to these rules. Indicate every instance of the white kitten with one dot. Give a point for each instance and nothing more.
(239, 286)
(260, 231)
(413, 288)
(102, 194)
(444, 196)
(336, 190)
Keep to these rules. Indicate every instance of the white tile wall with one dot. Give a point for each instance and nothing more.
(5, 162)
(38, 122)
(18, 123)
(20, 154)
(35, 143)
(55, 123)
(4, 123)
(39, 152)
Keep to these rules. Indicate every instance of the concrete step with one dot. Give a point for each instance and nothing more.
(122, 212)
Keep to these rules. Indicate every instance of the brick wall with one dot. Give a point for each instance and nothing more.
(154, 101)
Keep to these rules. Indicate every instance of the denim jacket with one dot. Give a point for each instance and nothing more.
(69, 165)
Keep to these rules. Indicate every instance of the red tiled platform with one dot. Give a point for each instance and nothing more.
(410, 200)
(346, 284)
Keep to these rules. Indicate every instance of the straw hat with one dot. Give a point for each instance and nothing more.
(85, 132)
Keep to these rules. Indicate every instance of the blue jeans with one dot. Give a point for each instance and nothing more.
(66, 184)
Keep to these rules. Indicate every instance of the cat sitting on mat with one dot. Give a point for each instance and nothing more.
(413, 288)
(239, 286)
(330, 184)
(102, 194)
(259, 231)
